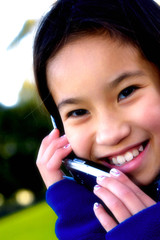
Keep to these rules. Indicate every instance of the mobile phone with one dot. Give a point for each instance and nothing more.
(84, 171)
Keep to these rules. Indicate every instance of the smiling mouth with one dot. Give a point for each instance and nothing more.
(128, 156)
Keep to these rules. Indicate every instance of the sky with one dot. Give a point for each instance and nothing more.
(16, 63)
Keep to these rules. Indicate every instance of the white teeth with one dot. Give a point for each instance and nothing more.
(135, 153)
(120, 159)
(114, 160)
(128, 156)
(141, 148)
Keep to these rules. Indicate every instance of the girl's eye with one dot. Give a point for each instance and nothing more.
(127, 92)
(77, 113)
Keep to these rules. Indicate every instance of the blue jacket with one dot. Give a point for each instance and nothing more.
(73, 205)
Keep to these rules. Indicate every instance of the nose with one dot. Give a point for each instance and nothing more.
(112, 130)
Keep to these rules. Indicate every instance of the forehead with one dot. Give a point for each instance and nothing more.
(86, 53)
(74, 53)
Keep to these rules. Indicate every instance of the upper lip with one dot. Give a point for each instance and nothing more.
(124, 150)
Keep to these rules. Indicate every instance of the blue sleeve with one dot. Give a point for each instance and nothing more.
(73, 205)
(143, 225)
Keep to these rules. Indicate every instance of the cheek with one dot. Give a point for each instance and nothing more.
(149, 116)
(80, 142)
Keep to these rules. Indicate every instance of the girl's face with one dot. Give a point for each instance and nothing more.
(108, 96)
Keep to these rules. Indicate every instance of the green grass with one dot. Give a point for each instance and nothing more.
(33, 223)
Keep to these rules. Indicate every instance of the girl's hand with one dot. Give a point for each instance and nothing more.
(52, 150)
(121, 196)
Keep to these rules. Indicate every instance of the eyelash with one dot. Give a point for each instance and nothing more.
(127, 92)
(77, 113)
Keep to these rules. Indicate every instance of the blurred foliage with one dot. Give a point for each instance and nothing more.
(22, 128)
(26, 29)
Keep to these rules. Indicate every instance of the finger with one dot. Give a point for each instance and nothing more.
(115, 205)
(140, 194)
(56, 160)
(51, 149)
(53, 170)
(123, 193)
(105, 219)
(46, 142)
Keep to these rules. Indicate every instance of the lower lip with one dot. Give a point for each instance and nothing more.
(133, 164)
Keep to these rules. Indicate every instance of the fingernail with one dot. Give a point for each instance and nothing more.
(96, 187)
(67, 146)
(96, 205)
(114, 172)
(100, 178)
(63, 136)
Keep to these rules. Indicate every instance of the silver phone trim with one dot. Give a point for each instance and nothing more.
(81, 166)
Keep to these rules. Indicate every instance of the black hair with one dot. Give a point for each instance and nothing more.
(134, 21)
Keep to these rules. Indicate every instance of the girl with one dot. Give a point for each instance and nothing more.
(97, 69)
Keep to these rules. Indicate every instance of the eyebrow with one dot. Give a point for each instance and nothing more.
(123, 77)
(68, 101)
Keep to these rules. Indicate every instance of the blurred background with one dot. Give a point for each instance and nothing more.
(23, 124)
